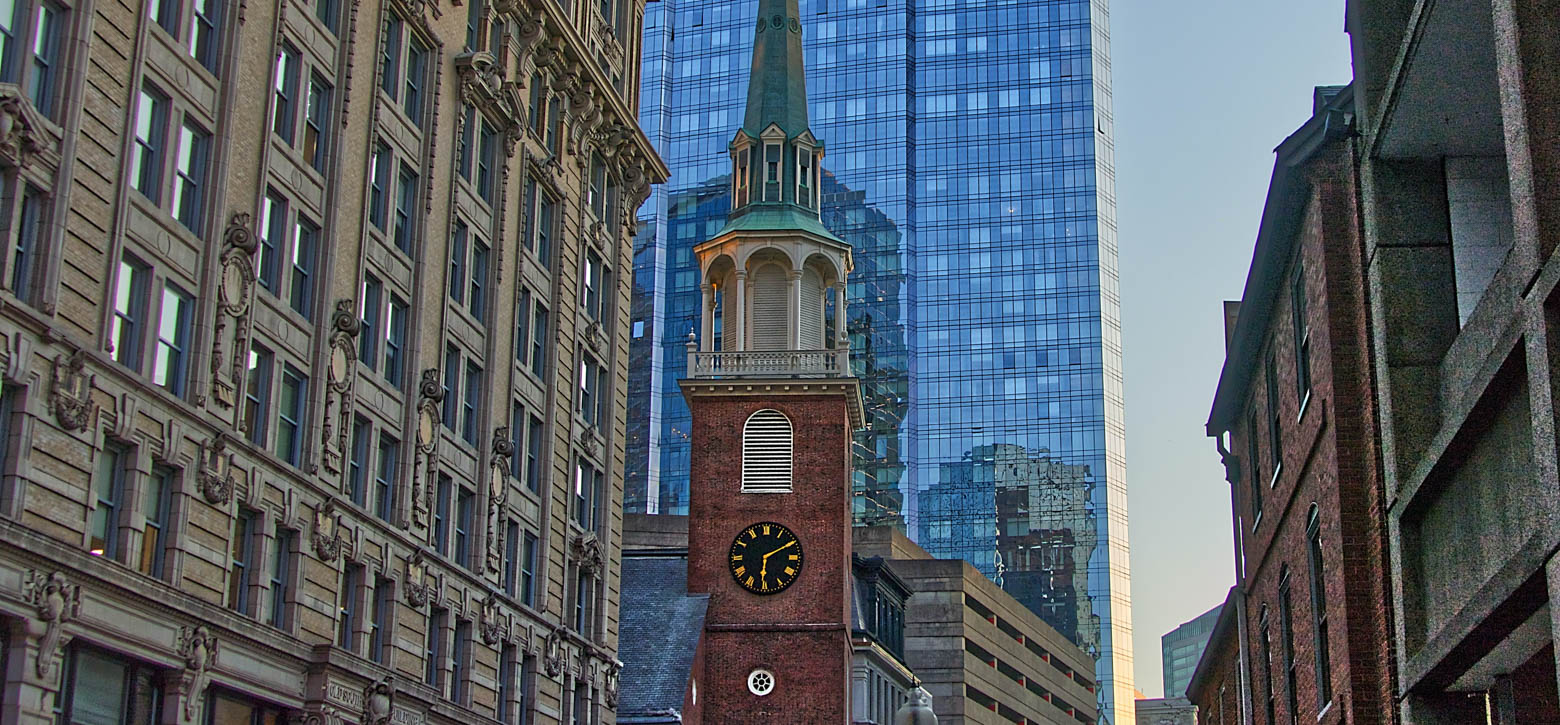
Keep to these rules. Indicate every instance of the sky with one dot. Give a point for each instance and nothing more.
(1204, 91)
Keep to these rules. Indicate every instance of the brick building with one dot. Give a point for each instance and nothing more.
(1295, 419)
(314, 321)
(1459, 151)
(1218, 686)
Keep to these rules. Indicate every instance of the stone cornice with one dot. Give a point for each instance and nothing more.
(850, 388)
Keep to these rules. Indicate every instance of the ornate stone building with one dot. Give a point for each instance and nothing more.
(314, 323)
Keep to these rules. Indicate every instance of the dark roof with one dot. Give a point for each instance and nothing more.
(1332, 118)
(1221, 631)
(658, 633)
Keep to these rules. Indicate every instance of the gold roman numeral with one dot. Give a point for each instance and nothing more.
(789, 571)
(766, 529)
(741, 570)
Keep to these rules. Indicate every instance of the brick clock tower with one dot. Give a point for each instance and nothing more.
(773, 406)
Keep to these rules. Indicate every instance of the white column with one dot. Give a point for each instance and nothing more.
(839, 316)
(796, 310)
(707, 326)
(736, 322)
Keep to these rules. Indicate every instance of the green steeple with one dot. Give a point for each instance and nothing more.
(777, 86)
(774, 156)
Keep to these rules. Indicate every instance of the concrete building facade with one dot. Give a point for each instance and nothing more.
(1182, 648)
(1166, 711)
(1295, 420)
(315, 332)
(1460, 231)
(983, 655)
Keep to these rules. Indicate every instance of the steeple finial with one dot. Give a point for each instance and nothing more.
(777, 86)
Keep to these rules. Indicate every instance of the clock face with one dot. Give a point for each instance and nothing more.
(765, 558)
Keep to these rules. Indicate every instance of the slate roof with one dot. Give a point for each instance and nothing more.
(660, 625)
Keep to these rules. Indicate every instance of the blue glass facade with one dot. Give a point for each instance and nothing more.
(970, 168)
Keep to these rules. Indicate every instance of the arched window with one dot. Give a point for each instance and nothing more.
(766, 453)
(1313, 536)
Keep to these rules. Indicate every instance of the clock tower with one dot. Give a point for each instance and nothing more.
(773, 405)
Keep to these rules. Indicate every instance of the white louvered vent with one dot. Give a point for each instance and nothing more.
(766, 453)
(771, 310)
(812, 310)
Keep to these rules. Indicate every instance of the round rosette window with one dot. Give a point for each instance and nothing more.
(761, 682)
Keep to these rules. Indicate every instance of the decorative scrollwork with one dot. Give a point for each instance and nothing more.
(552, 653)
(342, 374)
(55, 601)
(492, 625)
(198, 646)
(70, 391)
(379, 701)
(215, 473)
(418, 590)
(326, 536)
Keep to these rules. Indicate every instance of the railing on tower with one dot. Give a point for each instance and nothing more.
(769, 364)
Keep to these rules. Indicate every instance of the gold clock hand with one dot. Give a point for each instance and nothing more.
(783, 548)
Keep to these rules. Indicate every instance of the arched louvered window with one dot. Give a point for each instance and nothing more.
(812, 310)
(771, 310)
(766, 453)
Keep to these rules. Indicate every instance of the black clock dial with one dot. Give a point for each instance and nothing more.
(765, 558)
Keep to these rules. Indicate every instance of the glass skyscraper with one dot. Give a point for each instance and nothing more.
(970, 165)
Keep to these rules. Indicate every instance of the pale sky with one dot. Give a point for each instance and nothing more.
(1204, 90)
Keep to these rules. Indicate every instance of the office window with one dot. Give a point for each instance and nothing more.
(281, 575)
(273, 237)
(379, 183)
(1286, 623)
(465, 513)
(544, 229)
(590, 286)
(433, 653)
(416, 69)
(1313, 535)
(380, 620)
(368, 314)
(517, 441)
(527, 678)
(224, 708)
(42, 80)
(583, 593)
(190, 164)
(598, 187)
(395, 342)
(29, 236)
(305, 250)
(538, 106)
(151, 121)
(1275, 431)
(97, 688)
(459, 667)
(328, 12)
(204, 40)
(130, 292)
(441, 514)
(171, 362)
(554, 127)
(474, 10)
(165, 13)
(390, 56)
(487, 162)
(290, 415)
(257, 393)
(528, 569)
(592, 403)
(506, 682)
(357, 465)
(405, 210)
(470, 404)
(108, 485)
(451, 385)
(243, 551)
(511, 556)
(285, 109)
(584, 703)
(156, 510)
(587, 494)
(1266, 642)
(479, 280)
(384, 480)
(1301, 325)
(523, 326)
(458, 263)
(534, 439)
(1254, 466)
(347, 605)
(539, 341)
(316, 123)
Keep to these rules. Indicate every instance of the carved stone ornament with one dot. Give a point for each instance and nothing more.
(320, 714)
(215, 473)
(498, 495)
(418, 590)
(70, 392)
(492, 625)
(430, 395)
(379, 701)
(326, 536)
(338, 391)
(610, 684)
(198, 647)
(587, 551)
(55, 601)
(235, 293)
(590, 442)
(21, 130)
(552, 653)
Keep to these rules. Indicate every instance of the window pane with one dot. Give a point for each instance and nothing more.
(173, 333)
(98, 692)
